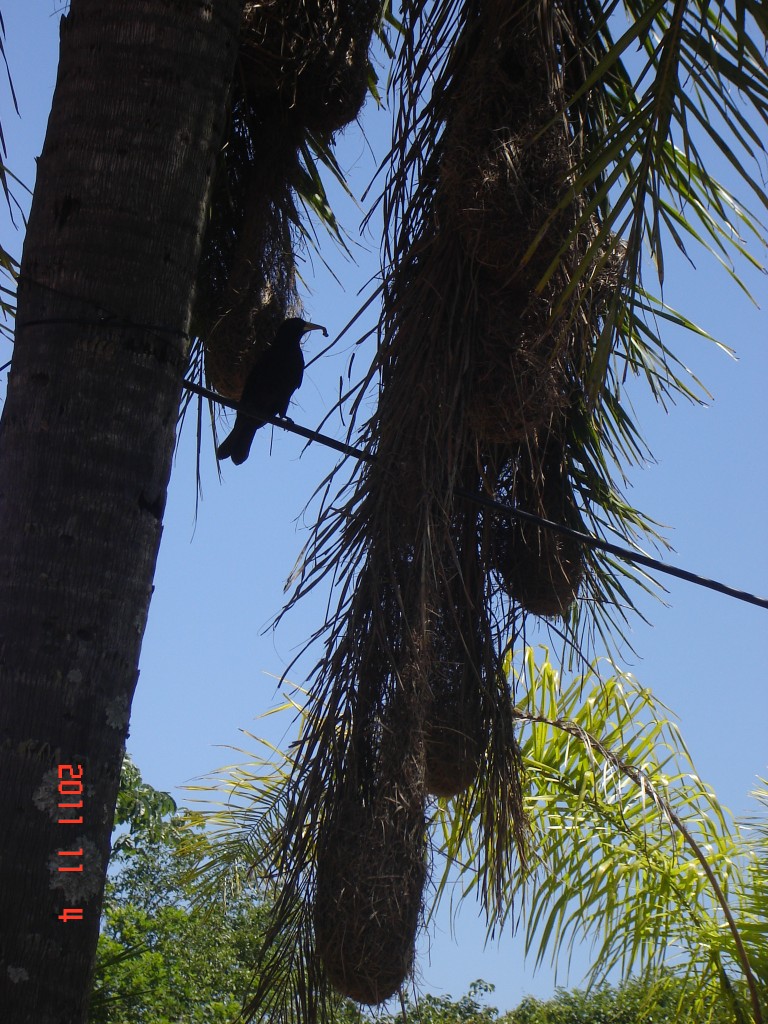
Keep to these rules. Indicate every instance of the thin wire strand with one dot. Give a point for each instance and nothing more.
(587, 539)
(513, 513)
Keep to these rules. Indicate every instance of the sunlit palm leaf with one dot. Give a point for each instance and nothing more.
(634, 853)
(628, 841)
(251, 803)
(662, 124)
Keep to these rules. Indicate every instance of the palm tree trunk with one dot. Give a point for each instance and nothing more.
(86, 441)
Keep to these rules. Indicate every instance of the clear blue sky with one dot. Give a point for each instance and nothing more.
(208, 666)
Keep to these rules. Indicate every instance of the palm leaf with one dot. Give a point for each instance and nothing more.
(249, 805)
(635, 856)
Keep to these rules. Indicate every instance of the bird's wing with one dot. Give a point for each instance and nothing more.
(260, 384)
(273, 379)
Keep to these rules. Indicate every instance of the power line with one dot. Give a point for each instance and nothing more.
(587, 539)
(513, 513)
(284, 422)
(616, 549)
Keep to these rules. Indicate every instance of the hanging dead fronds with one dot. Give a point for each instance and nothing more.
(312, 54)
(247, 284)
(539, 568)
(455, 729)
(303, 74)
(522, 372)
(417, 625)
(507, 156)
(371, 858)
(368, 901)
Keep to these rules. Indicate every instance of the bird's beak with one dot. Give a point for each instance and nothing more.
(315, 327)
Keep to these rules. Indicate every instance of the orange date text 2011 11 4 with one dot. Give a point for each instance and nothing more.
(70, 785)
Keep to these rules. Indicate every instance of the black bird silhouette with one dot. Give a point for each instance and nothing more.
(268, 388)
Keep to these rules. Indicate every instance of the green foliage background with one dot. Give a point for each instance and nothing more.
(160, 959)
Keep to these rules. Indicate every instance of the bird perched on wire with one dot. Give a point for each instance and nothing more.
(268, 388)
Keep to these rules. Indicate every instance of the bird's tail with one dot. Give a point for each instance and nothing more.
(237, 444)
(225, 448)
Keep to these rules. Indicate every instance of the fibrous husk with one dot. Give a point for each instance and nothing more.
(247, 280)
(506, 163)
(505, 191)
(455, 714)
(311, 56)
(368, 901)
(372, 859)
(454, 732)
(539, 568)
(521, 373)
(303, 74)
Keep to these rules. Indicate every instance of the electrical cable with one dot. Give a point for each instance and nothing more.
(587, 539)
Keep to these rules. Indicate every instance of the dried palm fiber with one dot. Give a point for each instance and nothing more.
(457, 714)
(303, 74)
(247, 284)
(313, 54)
(372, 854)
(351, 848)
(351, 851)
(388, 537)
(455, 732)
(509, 160)
(539, 568)
(363, 749)
(390, 542)
(247, 281)
(523, 371)
(400, 522)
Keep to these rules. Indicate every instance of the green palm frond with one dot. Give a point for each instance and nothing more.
(682, 90)
(753, 891)
(669, 91)
(249, 805)
(634, 854)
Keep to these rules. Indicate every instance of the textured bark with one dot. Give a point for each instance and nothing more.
(86, 441)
